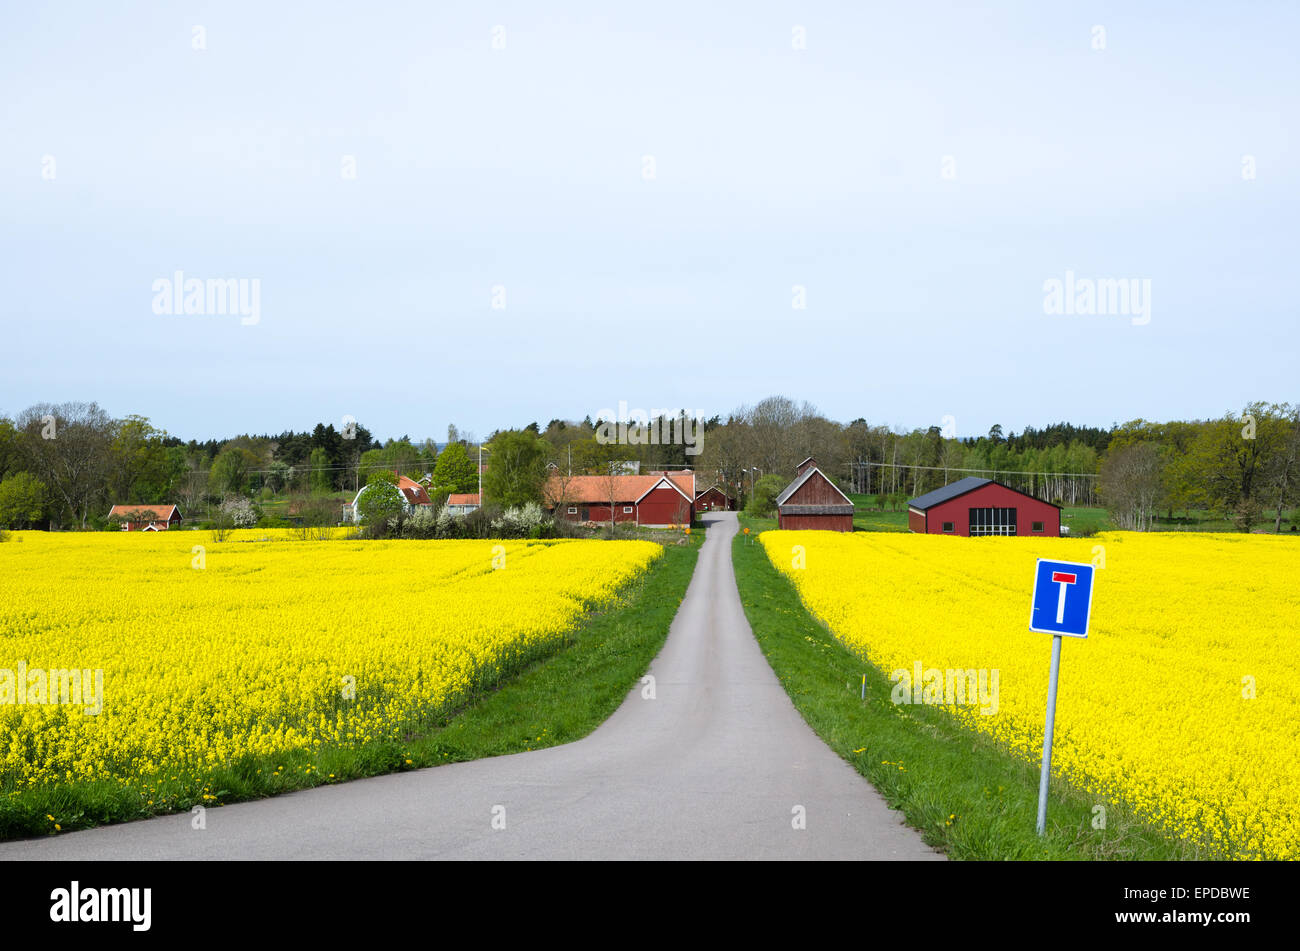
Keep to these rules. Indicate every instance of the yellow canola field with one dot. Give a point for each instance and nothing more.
(266, 646)
(1184, 700)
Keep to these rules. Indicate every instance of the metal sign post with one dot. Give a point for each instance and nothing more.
(1062, 607)
(1047, 734)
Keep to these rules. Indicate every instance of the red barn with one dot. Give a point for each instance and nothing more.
(813, 501)
(650, 500)
(974, 506)
(713, 499)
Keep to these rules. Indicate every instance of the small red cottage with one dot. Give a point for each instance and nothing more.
(145, 518)
(974, 506)
(813, 501)
(652, 500)
(713, 499)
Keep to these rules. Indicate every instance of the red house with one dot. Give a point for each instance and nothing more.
(652, 500)
(713, 499)
(974, 506)
(145, 518)
(813, 501)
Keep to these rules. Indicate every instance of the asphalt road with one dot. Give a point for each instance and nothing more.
(719, 765)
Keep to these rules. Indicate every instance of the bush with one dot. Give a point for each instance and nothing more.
(270, 521)
(422, 523)
(4, 535)
(238, 512)
(520, 522)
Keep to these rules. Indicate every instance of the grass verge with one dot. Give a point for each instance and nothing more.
(558, 699)
(968, 796)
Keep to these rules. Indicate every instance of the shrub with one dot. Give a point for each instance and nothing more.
(239, 512)
(520, 521)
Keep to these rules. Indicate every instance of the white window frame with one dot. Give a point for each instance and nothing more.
(573, 510)
(627, 510)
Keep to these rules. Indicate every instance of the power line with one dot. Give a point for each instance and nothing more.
(1017, 472)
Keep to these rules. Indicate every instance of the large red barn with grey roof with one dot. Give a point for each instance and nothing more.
(975, 506)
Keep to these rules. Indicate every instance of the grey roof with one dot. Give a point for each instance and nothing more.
(950, 491)
(793, 487)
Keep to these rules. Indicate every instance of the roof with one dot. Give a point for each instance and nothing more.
(413, 492)
(155, 513)
(589, 489)
(468, 498)
(664, 480)
(961, 487)
(713, 488)
(949, 491)
(797, 484)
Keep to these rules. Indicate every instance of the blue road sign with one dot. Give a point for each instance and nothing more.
(1062, 598)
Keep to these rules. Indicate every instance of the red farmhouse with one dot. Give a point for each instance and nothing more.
(652, 500)
(813, 501)
(146, 518)
(974, 506)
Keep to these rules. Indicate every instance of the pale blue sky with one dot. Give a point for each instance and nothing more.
(522, 167)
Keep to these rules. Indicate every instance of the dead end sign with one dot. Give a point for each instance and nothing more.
(1062, 601)
(1061, 606)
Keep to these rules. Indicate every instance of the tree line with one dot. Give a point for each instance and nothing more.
(63, 465)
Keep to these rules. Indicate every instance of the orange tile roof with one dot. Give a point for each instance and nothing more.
(588, 489)
(412, 491)
(463, 499)
(147, 513)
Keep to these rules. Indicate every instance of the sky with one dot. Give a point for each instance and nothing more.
(489, 213)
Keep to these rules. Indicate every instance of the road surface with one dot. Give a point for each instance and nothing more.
(719, 765)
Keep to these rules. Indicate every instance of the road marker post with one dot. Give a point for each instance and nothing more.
(1061, 606)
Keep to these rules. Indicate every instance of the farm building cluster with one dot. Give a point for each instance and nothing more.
(969, 507)
(659, 499)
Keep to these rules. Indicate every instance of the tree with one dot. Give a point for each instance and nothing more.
(67, 448)
(379, 501)
(1132, 484)
(143, 469)
(22, 500)
(229, 472)
(766, 489)
(321, 479)
(1282, 475)
(1232, 456)
(455, 470)
(516, 474)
